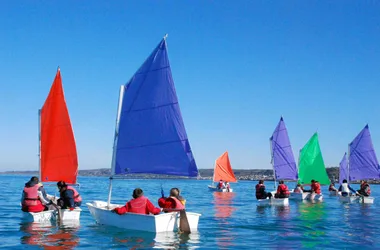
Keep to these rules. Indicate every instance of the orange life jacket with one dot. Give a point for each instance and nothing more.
(178, 203)
(31, 196)
(77, 197)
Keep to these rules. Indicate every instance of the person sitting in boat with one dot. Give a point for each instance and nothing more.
(332, 187)
(260, 191)
(282, 190)
(298, 189)
(227, 186)
(365, 189)
(315, 187)
(32, 199)
(69, 196)
(174, 201)
(345, 188)
(138, 205)
(221, 185)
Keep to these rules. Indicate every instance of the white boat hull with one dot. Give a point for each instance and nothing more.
(165, 222)
(366, 199)
(215, 189)
(348, 199)
(52, 215)
(273, 202)
(306, 196)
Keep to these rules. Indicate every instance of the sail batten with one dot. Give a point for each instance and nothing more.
(151, 135)
(223, 169)
(58, 154)
(363, 163)
(284, 165)
(311, 164)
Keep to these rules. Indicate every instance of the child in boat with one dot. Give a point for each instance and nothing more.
(345, 188)
(69, 196)
(260, 191)
(282, 190)
(227, 186)
(365, 189)
(174, 201)
(298, 189)
(138, 205)
(332, 187)
(221, 185)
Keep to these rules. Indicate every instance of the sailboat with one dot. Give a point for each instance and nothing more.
(343, 175)
(362, 160)
(282, 160)
(311, 166)
(222, 171)
(150, 138)
(57, 159)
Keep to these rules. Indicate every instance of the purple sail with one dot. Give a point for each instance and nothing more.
(343, 171)
(363, 162)
(284, 166)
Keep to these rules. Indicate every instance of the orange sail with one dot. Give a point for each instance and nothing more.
(223, 170)
(58, 150)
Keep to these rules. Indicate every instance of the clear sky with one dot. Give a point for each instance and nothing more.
(237, 66)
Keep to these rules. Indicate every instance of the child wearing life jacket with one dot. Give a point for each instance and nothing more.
(174, 201)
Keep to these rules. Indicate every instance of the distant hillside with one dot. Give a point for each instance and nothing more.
(241, 174)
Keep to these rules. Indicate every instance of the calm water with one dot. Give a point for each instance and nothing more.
(229, 220)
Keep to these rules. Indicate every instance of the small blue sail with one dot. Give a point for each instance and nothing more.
(152, 138)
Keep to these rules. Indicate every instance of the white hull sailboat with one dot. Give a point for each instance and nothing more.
(306, 196)
(57, 150)
(140, 222)
(282, 160)
(150, 138)
(222, 171)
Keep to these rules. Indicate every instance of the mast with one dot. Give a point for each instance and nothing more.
(272, 162)
(213, 176)
(39, 145)
(348, 164)
(113, 162)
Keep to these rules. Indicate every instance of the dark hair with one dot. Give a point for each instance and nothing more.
(137, 193)
(174, 192)
(281, 182)
(261, 181)
(344, 181)
(34, 178)
(61, 184)
(312, 180)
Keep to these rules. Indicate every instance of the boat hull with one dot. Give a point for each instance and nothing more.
(348, 199)
(166, 222)
(305, 196)
(273, 202)
(366, 199)
(52, 215)
(215, 189)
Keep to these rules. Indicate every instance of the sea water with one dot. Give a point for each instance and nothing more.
(228, 221)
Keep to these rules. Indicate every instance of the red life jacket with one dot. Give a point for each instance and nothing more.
(31, 196)
(138, 205)
(363, 186)
(178, 203)
(220, 185)
(259, 192)
(283, 189)
(77, 197)
(316, 187)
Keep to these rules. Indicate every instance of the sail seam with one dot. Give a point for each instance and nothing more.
(156, 107)
(156, 144)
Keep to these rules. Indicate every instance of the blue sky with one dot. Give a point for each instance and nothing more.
(237, 65)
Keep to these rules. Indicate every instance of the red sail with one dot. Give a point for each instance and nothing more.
(58, 150)
(223, 170)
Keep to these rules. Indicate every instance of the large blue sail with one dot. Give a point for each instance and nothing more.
(363, 162)
(284, 165)
(152, 138)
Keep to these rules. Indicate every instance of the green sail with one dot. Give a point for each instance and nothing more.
(311, 165)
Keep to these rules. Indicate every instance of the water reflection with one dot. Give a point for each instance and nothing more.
(223, 204)
(48, 235)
